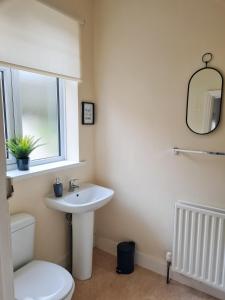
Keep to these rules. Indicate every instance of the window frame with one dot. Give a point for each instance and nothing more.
(8, 109)
(12, 114)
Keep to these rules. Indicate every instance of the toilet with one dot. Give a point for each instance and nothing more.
(35, 279)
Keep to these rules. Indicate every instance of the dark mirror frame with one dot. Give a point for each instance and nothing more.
(189, 82)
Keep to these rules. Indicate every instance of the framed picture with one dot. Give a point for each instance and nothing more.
(88, 113)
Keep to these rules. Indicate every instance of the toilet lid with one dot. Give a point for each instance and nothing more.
(40, 280)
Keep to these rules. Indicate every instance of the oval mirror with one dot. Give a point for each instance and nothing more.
(204, 99)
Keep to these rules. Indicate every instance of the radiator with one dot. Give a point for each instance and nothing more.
(199, 243)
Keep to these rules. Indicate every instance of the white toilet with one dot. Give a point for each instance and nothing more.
(35, 279)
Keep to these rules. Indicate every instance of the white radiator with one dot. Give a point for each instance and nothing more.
(199, 243)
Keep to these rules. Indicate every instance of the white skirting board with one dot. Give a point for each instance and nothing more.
(159, 266)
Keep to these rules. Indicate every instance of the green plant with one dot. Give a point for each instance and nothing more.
(21, 147)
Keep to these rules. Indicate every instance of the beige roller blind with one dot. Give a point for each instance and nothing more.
(33, 35)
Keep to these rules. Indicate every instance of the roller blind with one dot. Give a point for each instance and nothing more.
(33, 35)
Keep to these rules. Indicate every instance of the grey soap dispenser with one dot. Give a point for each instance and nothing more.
(58, 187)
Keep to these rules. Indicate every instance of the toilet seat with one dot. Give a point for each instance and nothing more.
(40, 280)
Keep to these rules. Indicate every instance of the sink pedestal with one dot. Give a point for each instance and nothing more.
(82, 205)
(82, 244)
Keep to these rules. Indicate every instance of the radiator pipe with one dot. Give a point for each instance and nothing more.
(168, 272)
(169, 262)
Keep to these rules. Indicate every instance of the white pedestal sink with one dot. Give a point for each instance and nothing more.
(82, 204)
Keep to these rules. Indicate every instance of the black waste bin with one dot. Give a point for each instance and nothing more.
(125, 257)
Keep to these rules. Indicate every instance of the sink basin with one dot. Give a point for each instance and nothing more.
(88, 198)
(82, 204)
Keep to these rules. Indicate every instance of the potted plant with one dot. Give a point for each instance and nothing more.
(21, 148)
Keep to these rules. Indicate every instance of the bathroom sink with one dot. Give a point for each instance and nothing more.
(88, 198)
(82, 205)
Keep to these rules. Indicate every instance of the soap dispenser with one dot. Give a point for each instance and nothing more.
(58, 187)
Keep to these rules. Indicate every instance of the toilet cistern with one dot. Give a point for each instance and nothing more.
(35, 279)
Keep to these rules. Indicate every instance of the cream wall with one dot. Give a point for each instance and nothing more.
(145, 53)
(52, 234)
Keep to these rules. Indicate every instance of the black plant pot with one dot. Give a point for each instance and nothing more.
(23, 164)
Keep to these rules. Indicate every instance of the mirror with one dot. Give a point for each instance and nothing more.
(204, 99)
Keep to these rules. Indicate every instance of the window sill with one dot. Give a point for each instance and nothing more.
(17, 175)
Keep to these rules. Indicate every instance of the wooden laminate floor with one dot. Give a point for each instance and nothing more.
(143, 284)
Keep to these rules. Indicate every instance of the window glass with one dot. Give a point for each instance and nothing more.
(39, 108)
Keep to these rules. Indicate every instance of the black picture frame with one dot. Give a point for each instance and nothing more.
(88, 113)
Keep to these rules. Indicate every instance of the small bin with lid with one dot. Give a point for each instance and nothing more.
(125, 257)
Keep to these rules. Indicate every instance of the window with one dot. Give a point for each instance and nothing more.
(34, 105)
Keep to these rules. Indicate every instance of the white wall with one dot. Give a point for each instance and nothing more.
(52, 234)
(145, 53)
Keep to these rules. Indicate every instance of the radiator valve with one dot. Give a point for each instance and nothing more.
(169, 256)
